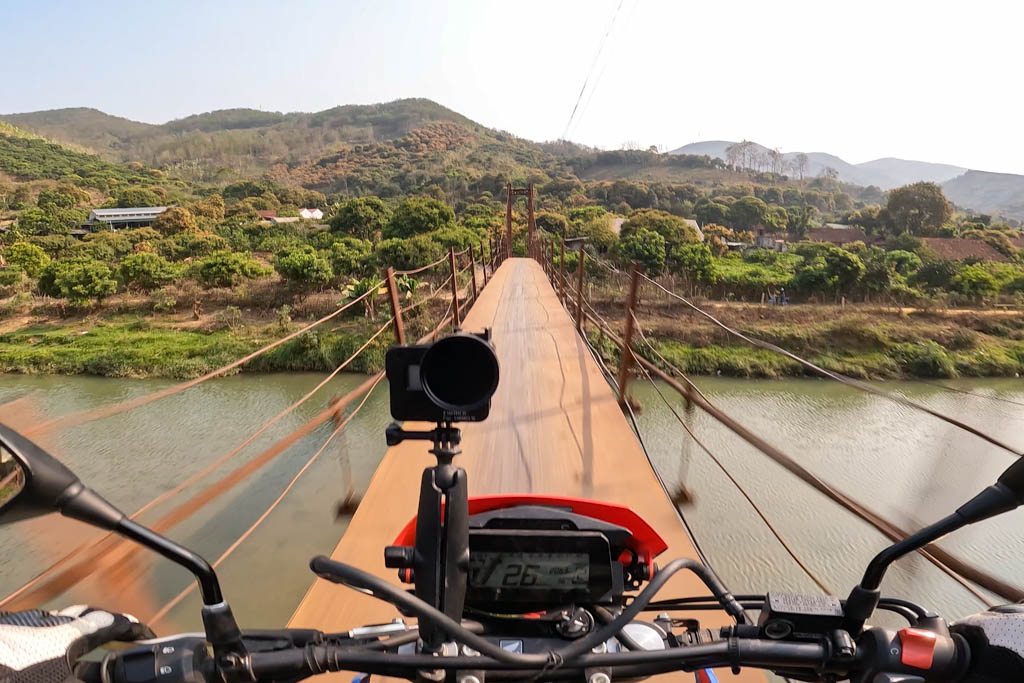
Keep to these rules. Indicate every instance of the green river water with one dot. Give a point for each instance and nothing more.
(906, 465)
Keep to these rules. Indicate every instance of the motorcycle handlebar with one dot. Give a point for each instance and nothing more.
(734, 652)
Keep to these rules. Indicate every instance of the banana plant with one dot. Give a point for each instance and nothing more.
(407, 285)
(357, 288)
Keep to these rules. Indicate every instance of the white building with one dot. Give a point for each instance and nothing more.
(311, 214)
(135, 217)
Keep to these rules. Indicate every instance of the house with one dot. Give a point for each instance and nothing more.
(136, 217)
(277, 220)
(311, 214)
(833, 235)
(958, 249)
(693, 224)
(267, 215)
(768, 241)
(838, 226)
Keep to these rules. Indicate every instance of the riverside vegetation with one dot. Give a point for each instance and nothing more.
(210, 281)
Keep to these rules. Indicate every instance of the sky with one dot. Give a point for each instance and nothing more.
(934, 81)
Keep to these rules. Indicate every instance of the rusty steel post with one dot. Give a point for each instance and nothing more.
(483, 261)
(508, 222)
(561, 275)
(396, 306)
(472, 270)
(579, 292)
(627, 343)
(532, 224)
(456, 321)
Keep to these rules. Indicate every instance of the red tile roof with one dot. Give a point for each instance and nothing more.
(267, 214)
(958, 248)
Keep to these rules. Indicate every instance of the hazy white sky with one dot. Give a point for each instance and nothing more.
(935, 81)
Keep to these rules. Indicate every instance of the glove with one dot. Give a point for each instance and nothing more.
(38, 646)
(996, 638)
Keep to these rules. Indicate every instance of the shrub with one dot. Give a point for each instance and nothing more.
(147, 271)
(27, 257)
(303, 267)
(694, 261)
(936, 274)
(228, 268)
(351, 256)
(419, 215)
(362, 217)
(175, 220)
(406, 254)
(924, 359)
(190, 245)
(78, 280)
(975, 282)
(164, 300)
(230, 317)
(646, 247)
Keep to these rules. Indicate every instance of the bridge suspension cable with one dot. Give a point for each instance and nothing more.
(29, 594)
(162, 612)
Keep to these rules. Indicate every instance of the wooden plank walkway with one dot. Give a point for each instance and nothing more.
(555, 428)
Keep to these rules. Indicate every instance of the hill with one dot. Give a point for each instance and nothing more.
(995, 193)
(229, 143)
(885, 173)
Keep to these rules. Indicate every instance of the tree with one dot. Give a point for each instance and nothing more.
(674, 229)
(228, 268)
(555, 223)
(708, 211)
(147, 271)
(800, 164)
(303, 267)
(137, 196)
(936, 274)
(212, 207)
(419, 215)
(747, 213)
(48, 200)
(694, 262)
(80, 281)
(903, 262)
(646, 247)
(54, 221)
(975, 282)
(362, 217)
(351, 256)
(366, 286)
(406, 254)
(800, 218)
(175, 220)
(919, 209)
(29, 257)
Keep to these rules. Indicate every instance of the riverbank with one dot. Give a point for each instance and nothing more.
(860, 341)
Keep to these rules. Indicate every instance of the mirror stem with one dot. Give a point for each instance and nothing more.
(209, 587)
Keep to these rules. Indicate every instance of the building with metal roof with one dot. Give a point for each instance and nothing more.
(135, 217)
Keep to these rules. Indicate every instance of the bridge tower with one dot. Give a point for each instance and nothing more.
(531, 224)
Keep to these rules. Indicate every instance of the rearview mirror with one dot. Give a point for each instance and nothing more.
(45, 485)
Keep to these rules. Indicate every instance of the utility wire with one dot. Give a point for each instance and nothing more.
(590, 72)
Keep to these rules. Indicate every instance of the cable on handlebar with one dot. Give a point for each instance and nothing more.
(353, 577)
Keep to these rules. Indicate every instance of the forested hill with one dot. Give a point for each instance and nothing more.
(245, 141)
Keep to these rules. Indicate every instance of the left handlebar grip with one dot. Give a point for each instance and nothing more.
(167, 660)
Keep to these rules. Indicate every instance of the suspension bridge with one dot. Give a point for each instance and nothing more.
(560, 424)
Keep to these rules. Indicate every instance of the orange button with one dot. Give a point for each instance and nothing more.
(918, 647)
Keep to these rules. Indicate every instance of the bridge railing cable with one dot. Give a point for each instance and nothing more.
(956, 568)
(30, 594)
(162, 612)
(72, 419)
(839, 377)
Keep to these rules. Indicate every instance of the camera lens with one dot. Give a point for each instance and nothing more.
(459, 373)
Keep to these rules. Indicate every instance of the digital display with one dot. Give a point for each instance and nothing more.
(529, 570)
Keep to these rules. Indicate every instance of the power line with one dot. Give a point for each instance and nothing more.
(590, 72)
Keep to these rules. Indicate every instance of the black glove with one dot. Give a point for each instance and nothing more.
(997, 643)
(37, 646)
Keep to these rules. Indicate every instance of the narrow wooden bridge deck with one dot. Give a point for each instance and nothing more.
(555, 428)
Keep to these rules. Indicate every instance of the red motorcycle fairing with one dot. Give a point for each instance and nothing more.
(644, 540)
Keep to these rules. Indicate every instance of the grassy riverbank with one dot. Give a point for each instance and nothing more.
(125, 340)
(861, 341)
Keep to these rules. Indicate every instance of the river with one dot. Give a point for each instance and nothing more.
(905, 464)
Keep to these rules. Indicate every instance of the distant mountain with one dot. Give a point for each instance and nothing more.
(885, 173)
(994, 193)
